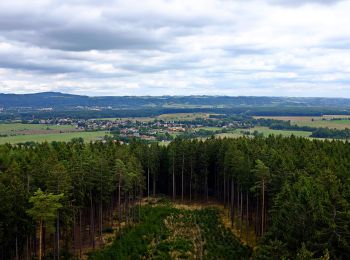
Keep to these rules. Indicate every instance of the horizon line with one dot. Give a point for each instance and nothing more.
(155, 96)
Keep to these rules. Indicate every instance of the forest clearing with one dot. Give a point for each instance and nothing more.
(175, 230)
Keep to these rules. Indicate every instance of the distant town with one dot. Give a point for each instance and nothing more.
(151, 129)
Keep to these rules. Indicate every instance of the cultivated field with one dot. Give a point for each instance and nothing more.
(183, 116)
(165, 117)
(340, 122)
(265, 131)
(59, 137)
(29, 129)
(209, 128)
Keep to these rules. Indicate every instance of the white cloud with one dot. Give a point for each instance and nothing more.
(163, 47)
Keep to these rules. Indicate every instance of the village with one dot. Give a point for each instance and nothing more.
(151, 129)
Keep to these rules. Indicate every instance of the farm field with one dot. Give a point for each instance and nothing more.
(340, 121)
(233, 134)
(168, 231)
(338, 124)
(59, 137)
(267, 131)
(27, 129)
(183, 116)
(209, 128)
(168, 117)
(186, 106)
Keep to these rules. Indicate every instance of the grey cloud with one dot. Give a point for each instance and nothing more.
(176, 63)
(87, 38)
(110, 31)
(22, 21)
(83, 39)
(37, 67)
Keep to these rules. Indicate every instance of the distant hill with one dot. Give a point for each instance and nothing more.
(61, 101)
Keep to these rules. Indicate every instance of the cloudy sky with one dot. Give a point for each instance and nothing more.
(176, 47)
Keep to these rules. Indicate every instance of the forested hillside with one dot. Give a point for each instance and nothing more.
(53, 105)
(59, 100)
(293, 194)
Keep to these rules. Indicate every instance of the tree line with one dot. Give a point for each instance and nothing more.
(292, 193)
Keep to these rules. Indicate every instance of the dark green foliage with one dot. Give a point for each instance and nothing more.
(293, 194)
(331, 133)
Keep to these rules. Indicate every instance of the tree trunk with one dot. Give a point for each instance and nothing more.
(27, 248)
(101, 220)
(119, 198)
(241, 214)
(140, 191)
(44, 242)
(58, 236)
(238, 203)
(40, 239)
(206, 183)
(148, 181)
(263, 208)
(74, 234)
(154, 186)
(224, 189)
(101, 216)
(257, 228)
(191, 180)
(92, 223)
(16, 248)
(182, 177)
(80, 234)
(174, 177)
(232, 202)
(126, 205)
(247, 216)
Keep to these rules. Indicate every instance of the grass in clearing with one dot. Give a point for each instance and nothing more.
(167, 232)
(59, 137)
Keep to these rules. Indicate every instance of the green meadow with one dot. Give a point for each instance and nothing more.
(58, 137)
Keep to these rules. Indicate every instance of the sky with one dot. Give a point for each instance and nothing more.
(176, 47)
